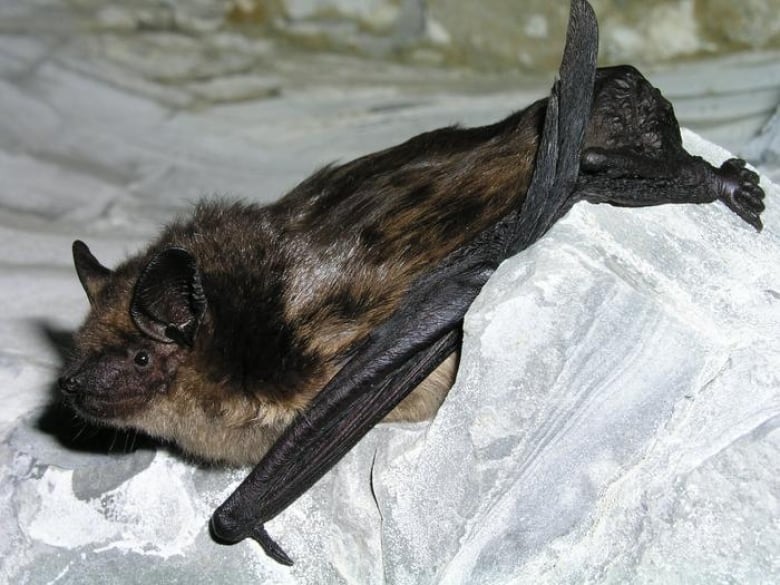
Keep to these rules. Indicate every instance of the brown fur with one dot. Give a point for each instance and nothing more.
(291, 288)
(425, 400)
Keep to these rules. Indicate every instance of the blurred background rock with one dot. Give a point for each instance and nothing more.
(492, 34)
(507, 34)
(717, 60)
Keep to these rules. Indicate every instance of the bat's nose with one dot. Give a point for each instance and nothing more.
(69, 385)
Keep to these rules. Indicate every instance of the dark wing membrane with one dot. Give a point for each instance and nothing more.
(425, 329)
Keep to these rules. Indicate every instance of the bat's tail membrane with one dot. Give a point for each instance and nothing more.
(401, 352)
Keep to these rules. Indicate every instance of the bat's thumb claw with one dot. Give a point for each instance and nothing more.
(270, 547)
(225, 531)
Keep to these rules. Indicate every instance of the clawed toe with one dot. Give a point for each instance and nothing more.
(749, 176)
(733, 165)
(745, 209)
(752, 197)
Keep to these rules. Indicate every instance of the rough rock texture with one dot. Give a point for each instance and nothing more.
(493, 34)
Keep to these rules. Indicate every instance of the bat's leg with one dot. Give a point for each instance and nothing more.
(634, 157)
(693, 181)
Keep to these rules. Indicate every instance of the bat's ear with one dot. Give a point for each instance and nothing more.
(92, 274)
(168, 301)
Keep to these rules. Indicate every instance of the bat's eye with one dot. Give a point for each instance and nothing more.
(142, 358)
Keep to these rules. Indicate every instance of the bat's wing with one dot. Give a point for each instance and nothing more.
(426, 328)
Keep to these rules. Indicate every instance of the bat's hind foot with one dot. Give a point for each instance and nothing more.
(737, 186)
(629, 180)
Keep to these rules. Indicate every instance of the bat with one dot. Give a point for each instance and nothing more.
(278, 335)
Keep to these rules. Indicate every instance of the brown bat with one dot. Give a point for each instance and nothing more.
(305, 322)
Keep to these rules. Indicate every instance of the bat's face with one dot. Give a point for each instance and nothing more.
(139, 361)
(119, 377)
(142, 323)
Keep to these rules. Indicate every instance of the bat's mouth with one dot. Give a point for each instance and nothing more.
(102, 409)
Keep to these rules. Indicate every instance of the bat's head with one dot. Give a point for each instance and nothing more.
(143, 322)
